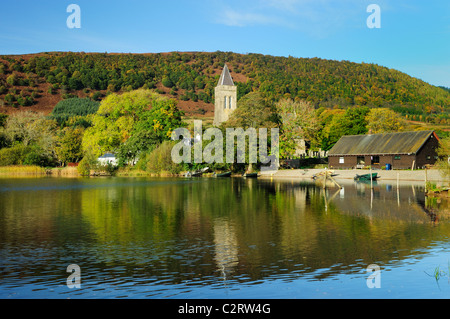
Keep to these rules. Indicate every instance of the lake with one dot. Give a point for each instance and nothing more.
(220, 238)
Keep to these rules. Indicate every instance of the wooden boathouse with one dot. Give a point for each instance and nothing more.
(403, 150)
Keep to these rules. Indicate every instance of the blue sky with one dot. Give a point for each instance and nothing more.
(414, 36)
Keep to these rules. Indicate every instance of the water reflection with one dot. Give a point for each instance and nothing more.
(226, 246)
(140, 237)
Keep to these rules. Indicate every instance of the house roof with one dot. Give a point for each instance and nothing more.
(225, 77)
(107, 155)
(381, 144)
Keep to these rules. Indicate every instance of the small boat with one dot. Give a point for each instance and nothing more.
(225, 174)
(196, 173)
(204, 169)
(193, 174)
(249, 172)
(366, 177)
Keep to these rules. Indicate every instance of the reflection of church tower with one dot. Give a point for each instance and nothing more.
(226, 246)
(225, 96)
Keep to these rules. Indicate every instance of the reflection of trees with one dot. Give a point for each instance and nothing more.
(351, 229)
(437, 208)
(185, 229)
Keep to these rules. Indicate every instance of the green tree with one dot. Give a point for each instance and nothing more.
(336, 123)
(444, 158)
(137, 146)
(355, 122)
(167, 82)
(68, 147)
(252, 111)
(121, 116)
(384, 120)
(298, 121)
(30, 139)
(30, 127)
(12, 79)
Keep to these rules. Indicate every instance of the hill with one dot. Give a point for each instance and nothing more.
(40, 81)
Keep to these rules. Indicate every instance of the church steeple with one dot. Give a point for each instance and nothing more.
(225, 97)
(225, 77)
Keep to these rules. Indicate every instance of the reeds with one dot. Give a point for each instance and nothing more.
(439, 273)
(33, 170)
(20, 170)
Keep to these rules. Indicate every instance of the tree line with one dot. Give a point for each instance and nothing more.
(193, 76)
(137, 126)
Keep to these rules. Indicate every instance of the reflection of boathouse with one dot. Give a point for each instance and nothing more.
(383, 201)
(399, 150)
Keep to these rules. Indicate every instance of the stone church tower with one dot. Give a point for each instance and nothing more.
(225, 96)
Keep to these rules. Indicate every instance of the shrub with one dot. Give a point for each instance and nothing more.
(167, 82)
(13, 155)
(9, 98)
(88, 162)
(160, 159)
(35, 156)
(12, 79)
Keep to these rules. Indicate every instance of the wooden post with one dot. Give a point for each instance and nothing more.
(371, 184)
(398, 190)
(426, 182)
(335, 182)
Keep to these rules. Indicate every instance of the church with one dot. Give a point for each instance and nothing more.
(225, 97)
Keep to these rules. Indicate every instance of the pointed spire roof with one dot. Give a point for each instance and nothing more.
(225, 77)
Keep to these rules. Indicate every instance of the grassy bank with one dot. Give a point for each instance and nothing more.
(22, 170)
(36, 171)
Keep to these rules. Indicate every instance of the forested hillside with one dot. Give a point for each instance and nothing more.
(40, 81)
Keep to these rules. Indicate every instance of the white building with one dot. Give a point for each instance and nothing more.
(108, 158)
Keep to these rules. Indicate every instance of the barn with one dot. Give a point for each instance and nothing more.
(402, 150)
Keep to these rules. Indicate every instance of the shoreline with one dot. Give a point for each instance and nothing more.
(430, 175)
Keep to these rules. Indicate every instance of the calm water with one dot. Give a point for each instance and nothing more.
(219, 238)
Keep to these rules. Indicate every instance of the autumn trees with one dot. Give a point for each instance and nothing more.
(444, 157)
(193, 76)
(29, 139)
(121, 116)
(131, 124)
(297, 120)
(383, 120)
(321, 127)
(128, 124)
(319, 100)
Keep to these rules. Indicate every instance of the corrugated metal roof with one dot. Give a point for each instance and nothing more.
(378, 144)
(225, 77)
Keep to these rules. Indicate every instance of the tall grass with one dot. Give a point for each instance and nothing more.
(34, 170)
(15, 170)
